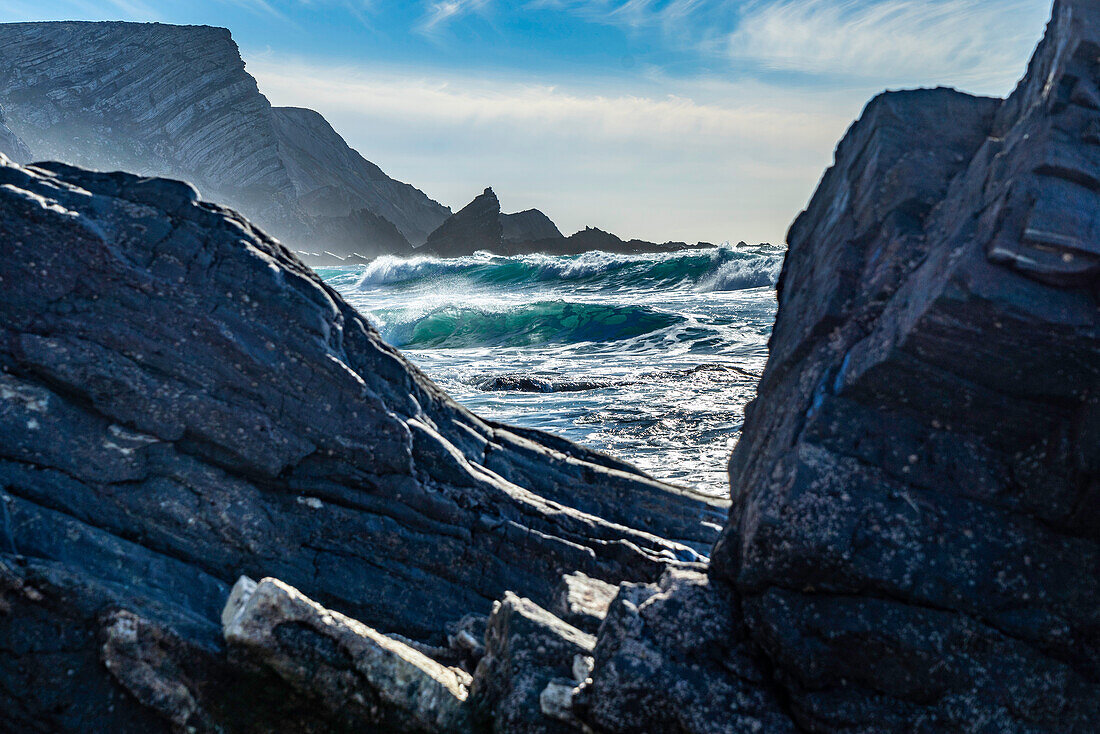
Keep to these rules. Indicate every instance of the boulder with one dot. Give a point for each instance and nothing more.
(352, 671)
(525, 682)
(914, 536)
(183, 402)
(582, 601)
(674, 657)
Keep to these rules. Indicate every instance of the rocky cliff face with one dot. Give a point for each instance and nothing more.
(10, 144)
(332, 180)
(176, 101)
(914, 537)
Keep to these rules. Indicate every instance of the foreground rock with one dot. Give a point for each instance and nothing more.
(360, 676)
(916, 530)
(183, 402)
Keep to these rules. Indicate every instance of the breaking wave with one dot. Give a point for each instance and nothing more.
(716, 269)
(565, 322)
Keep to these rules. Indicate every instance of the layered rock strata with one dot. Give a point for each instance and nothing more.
(10, 144)
(176, 101)
(915, 535)
(182, 402)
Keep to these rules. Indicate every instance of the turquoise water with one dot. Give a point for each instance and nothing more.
(650, 358)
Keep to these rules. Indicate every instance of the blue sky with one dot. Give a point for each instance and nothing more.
(662, 119)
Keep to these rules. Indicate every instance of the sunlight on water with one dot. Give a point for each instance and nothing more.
(649, 358)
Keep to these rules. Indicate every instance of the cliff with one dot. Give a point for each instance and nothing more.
(176, 101)
(10, 144)
(333, 180)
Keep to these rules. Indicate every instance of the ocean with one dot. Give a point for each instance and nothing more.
(649, 358)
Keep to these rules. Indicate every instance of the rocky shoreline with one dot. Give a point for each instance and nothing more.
(227, 505)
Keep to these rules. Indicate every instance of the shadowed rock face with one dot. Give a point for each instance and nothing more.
(182, 401)
(10, 145)
(333, 180)
(176, 101)
(914, 537)
(477, 226)
(527, 226)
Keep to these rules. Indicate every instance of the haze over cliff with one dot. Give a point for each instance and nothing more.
(176, 101)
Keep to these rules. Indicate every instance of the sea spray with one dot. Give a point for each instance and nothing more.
(651, 358)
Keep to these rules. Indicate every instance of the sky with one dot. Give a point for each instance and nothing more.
(693, 120)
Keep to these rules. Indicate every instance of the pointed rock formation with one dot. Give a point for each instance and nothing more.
(477, 226)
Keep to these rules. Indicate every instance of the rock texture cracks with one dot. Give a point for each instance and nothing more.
(912, 543)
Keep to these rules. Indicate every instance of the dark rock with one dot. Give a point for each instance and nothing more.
(182, 401)
(527, 226)
(674, 657)
(591, 239)
(525, 680)
(583, 602)
(539, 383)
(361, 235)
(475, 227)
(914, 537)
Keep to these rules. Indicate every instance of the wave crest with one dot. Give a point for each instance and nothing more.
(453, 326)
(718, 269)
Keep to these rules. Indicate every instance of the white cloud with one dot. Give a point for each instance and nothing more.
(974, 43)
(440, 12)
(715, 162)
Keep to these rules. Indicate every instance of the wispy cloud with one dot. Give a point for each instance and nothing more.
(968, 42)
(438, 13)
(889, 42)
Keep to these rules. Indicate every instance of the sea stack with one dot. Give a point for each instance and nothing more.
(477, 226)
